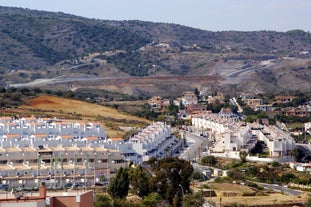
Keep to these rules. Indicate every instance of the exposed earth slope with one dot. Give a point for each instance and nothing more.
(61, 107)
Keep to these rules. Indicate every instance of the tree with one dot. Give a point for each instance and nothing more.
(196, 175)
(147, 112)
(248, 111)
(234, 108)
(172, 177)
(257, 148)
(151, 200)
(69, 94)
(243, 155)
(208, 160)
(102, 201)
(119, 185)
(235, 174)
(181, 105)
(286, 178)
(2, 89)
(252, 171)
(297, 154)
(139, 181)
(193, 200)
(123, 203)
(172, 109)
(197, 92)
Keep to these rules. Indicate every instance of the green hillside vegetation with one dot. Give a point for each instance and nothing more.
(36, 39)
(49, 38)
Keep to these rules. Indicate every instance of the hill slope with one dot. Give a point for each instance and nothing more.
(37, 44)
(61, 107)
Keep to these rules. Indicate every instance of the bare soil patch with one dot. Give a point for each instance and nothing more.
(230, 187)
(75, 106)
(273, 199)
(230, 194)
(62, 107)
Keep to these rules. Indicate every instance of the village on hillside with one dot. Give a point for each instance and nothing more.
(63, 152)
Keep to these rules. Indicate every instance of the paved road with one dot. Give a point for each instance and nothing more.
(280, 188)
(42, 82)
(196, 144)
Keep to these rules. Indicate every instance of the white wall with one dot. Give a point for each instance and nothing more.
(24, 204)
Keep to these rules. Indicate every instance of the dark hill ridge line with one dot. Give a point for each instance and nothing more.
(38, 44)
(54, 37)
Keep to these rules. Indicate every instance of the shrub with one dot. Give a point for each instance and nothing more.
(208, 160)
(249, 194)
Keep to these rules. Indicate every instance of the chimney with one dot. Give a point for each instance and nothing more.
(42, 190)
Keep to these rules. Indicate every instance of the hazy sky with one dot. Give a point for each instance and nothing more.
(215, 15)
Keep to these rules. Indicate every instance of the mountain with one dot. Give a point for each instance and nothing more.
(74, 50)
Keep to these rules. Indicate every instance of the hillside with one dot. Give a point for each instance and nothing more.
(37, 44)
(66, 108)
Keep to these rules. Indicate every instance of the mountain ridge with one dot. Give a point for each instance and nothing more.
(39, 44)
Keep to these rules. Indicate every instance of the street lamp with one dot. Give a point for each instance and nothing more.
(86, 168)
(95, 161)
(38, 168)
(108, 153)
(74, 169)
(182, 189)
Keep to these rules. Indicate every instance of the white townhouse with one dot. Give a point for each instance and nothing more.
(308, 127)
(34, 150)
(229, 135)
(189, 98)
(156, 140)
(278, 142)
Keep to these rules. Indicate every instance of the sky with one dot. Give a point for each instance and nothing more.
(213, 15)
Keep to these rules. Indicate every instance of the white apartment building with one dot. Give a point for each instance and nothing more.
(308, 127)
(156, 140)
(189, 98)
(56, 151)
(230, 135)
(227, 133)
(279, 143)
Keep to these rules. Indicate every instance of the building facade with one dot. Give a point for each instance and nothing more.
(156, 140)
(54, 151)
(230, 135)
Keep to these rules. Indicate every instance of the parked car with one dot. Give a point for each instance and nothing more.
(79, 184)
(4, 187)
(68, 185)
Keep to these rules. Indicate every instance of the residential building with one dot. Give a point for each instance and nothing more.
(300, 112)
(253, 101)
(213, 99)
(227, 113)
(247, 96)
(265, 107)
(155, 102)
(156, 140)
(48, 199)
(227, 133)
(230, 135)
(56, 151)
(284, 99)
(278, 142)
(308, 127)
(301, 167)
(195, 108)
(189, 98)
(158, 103)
